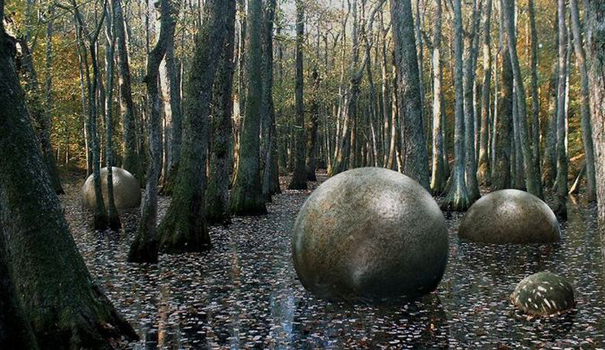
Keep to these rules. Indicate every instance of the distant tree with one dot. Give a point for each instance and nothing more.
(299, 176)
(457, 198)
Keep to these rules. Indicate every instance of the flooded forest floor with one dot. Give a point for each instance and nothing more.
(244, 292)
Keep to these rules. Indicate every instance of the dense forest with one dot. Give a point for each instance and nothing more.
(218, 107)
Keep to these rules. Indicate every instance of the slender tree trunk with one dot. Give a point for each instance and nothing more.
(144, 248)
(549, 165)
(535, 97)
(457, 198)
(438, 176)
(299, 177)
(65, 308)
(576, 29)
(311, 147)
(217, 195)
(531, 172)
(562, 166)
(131, 160)
(112, 212)
(483, 171)
(415, 157)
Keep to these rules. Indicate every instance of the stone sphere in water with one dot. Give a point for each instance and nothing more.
(370, 233)
(126, 189)
(543, 293)
(510, 216)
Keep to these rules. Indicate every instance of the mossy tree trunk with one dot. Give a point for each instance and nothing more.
(299, 176)
(409, 100)
(64, 305)
(144, 248)
(217, 195)
(457, 197)
(184, 226)
(15, 329)
(246, 195)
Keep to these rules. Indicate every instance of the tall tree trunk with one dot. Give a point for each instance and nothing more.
(112, 212)
(532, 175)
(595, 44)
(483, 171)
(562, 166)
(217, 195)
(457, 198)
(299, 177)
(131, 159)
(415, 158)
(246, 195)
(472, 184)
(65, 308)
(184, 225)
(270, 181)
(535, 96)
(438, 176)
(576, 29)
(144, 248)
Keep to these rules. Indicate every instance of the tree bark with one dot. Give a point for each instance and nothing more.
(457, 198)
(438, 176)
(65, 307)
(483, 171)
(413, 148)
(532, 175)
(184, 225)
(535, 97)
(217, 202)
(144, 248)
(562, 166)
(299, 177)
(576, 30)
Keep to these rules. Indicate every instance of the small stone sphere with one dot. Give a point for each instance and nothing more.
(543, 293)
(370, 234)
(510, 216)
(126, 190)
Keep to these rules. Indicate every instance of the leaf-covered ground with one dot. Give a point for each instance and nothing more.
(244, 292)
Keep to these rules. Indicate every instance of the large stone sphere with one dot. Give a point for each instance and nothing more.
(510, 216)
(126, 190)
(370, 233)
(543, 293)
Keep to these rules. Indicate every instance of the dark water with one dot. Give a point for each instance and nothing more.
(244, 292)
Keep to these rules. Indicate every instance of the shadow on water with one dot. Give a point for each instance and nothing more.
(244, 293)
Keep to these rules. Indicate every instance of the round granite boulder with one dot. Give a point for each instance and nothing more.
(510, 216)
(370, 233)
(543, 293)
(126, 190)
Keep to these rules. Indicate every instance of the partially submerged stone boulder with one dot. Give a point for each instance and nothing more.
(370, 233)
(510, 216)
(543, 293)
(126, 190)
